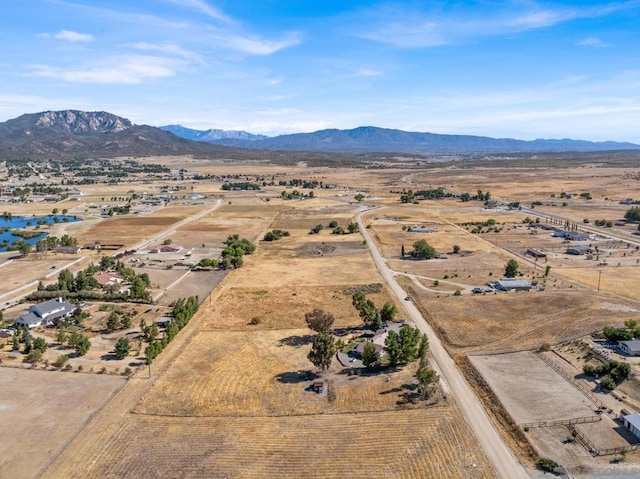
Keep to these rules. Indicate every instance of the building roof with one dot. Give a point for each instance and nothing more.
(29, 319)
(513, 283)
(633, 345)
(52, 306)
(633, 419)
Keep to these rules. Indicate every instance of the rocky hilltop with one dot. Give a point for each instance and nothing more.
(75, 121)
(73, 133)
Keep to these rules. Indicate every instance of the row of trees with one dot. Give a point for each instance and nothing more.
(370, 314)
(275, 235)
(182, 312)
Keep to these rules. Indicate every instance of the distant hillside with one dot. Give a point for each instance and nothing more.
(372, 139)
(211, 135)
(60, 134)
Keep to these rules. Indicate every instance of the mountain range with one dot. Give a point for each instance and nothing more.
(211, 135)
(61, 134)
(369, 139)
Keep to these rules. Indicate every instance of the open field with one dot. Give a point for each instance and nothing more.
(524, 319)
(266, 373)
(411, 444)
(235, 307)
(42, 412)
(230, 400)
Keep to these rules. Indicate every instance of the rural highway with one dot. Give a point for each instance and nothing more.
(503, 461)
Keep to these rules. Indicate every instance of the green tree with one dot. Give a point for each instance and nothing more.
(456, 249)
(333, 224)
(322, 351)
(122, 348)
(409, 338)
(370, 355)
(367, 310)
(393, 348)
(359, 197)
(353, 227)
(16, 342)
(25, 249)
(633, 214)
(61, 337)
(547, 270)
(402, 252)
(388, 312)
(113, 321)
(319, 320)
(511, 269)
(423, 250)
(66, 282)
(40, 344)
(427, 379)
(80, 343)
(423, 348)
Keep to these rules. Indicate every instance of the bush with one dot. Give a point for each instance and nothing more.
(546, 465)
(34, 356)
(61, 361)
(255, 320)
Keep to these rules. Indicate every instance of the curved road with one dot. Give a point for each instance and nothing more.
(503, 461)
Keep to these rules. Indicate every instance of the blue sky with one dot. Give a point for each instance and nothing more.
(522, 69)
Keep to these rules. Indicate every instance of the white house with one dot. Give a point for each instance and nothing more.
(46, 314)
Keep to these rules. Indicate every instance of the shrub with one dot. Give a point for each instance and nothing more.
(546, 465)
(61, 361)
(255, 320)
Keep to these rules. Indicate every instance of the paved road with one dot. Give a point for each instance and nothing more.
(498, 453)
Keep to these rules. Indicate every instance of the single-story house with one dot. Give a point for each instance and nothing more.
(104, 278)
(512, 284)
(630, 348)
(536, 253)
(166, 249)
(48, 313)
(632, 423)
(576, 236)
(67, 249)
(579, 250)
(422, 229)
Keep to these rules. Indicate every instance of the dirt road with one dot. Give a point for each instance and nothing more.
(498, 453)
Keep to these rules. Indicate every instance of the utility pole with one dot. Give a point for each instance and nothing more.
(599, 278)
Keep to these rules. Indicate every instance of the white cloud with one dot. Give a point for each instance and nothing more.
(410, 28)
(169, 49)
(125, 69)
(205, 8)
(253, 45)
(73, 36)
(593, 42)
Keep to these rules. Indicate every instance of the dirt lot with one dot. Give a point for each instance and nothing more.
(42, 411)
(531, 390)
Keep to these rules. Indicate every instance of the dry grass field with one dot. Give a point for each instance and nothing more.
(514, 320)
(41, 411)
(265, 373)
(280, 307)
(230, 398)
(410, 444)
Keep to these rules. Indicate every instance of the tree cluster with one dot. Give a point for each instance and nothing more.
(182, 312)
(423, 250)
(275, 235)
(403, 347)
(612, 373)
(511, 269)
(633, 214)
(233, 254)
